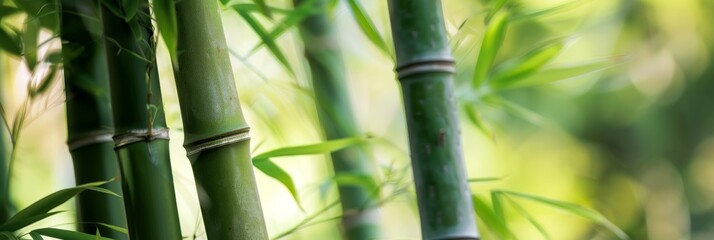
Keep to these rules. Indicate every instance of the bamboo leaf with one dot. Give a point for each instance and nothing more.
(367, 26)
(10, 43)
(45, 83)
(486, 179)
(575, 209)
(492, 41)
(165, 13)
(19, 224)
(497, 7)
(516, 110)
(115, 228)
(8, 11)
(264, 8)
(531, 62)
(267, 39)
(67, 234)
(8, 236)
(262, 161)
(43, 10)
(35, 236)
(292, 19)
(51, 201)
(130, 7)
(493, 222)
(563, 72)
(250, 7)
(30, 41)
(475, 118)
(112, 6)
(546, 11)
(530, 218)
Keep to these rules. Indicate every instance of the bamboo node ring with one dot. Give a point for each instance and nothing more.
(139, 135)
(232, 137)
(426, 66)
(89, 138)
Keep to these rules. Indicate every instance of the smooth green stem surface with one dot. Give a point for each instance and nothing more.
(337, 120)
(425, 69)
(214, 126)
(137, 110)
(6, 207)
(89, 118)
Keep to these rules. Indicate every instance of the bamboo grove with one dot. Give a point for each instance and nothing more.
(119, 139)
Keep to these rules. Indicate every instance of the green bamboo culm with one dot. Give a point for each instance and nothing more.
(141, 136)
(89, 118)
(359, 220)
(425, 69)
(216, 133)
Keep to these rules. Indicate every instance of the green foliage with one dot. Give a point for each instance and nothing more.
(165, 12)
(263, 163)
(491, 43)
(368, 29)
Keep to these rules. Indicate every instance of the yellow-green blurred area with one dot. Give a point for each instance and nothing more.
(634, 141)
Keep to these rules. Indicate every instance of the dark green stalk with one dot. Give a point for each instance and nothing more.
(337, 120)
(216, 134)
(89, 123)
(426, 68)
(141, 135)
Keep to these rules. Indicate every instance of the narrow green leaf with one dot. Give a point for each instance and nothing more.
(475, 118)
(293, 18)
(267, 39)
(30, 41)
(530, 63)
(10, 43)
(51, 201)
(497, 7)
(492, 41)
(97, 235)
(530, 218)
(165, 13)
(486, 179)
(67, 234)
(493, 223)
(43, 10)
(8, 11)
(45, 83)
(367, 26)
(563, 72)
(364, 181)
(115, 228)
(250, 8)
(54, 57)
(546, 11)
(516, 110)
(575, 209)
(262, 161)
(113, 7)
(35, 236)
(264, 8)
(8, 236)
(21, 223)
(130, 8)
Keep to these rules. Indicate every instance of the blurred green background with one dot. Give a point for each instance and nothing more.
(634, 141)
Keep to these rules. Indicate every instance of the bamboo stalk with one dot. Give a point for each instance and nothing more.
(6, 207)
(425, 69)
(89, 120)
(216, 134)
(327, 69)
(141, 135)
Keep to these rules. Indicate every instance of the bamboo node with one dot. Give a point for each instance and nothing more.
(139, 135)
(90, 138)
(426, 66)
(232, 137)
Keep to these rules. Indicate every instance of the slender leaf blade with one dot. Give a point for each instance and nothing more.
(578, 210)
(264, 8)
(10, 42)
(165, 13)
(558, 73)
(367, 26)
(30, 38)
(492, 41)
(21, 223)
(267, 39)
(67, 234)
(492, 221)
(530, 63)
